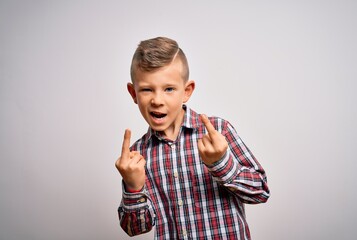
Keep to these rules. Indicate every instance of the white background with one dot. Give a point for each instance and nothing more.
(282, 72)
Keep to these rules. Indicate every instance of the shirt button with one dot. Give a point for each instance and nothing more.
(141, 200)
(176, 174)
(180, 202)
(184, 232)
(173, 146)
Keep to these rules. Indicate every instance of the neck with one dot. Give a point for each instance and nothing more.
(173, 132)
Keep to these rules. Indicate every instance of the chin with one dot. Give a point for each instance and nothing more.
(158, 129)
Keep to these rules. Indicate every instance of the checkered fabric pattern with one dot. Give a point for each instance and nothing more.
(187, 199)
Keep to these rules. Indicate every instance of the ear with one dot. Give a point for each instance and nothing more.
(131, 90)
(189, 88)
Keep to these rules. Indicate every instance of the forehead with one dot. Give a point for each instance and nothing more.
(169, 74)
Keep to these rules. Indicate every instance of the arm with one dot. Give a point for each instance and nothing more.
(235, 167)
(136, 214)
(135, 211)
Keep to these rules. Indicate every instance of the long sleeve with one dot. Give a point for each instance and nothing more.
(136, 214)
(239, 171)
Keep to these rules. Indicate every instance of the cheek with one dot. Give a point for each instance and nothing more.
(182, 98)
(141, 102)
(142, 99)
(143, 110)
(185, 99)
(177, 103)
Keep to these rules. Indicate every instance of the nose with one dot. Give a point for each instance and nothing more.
(157, 100)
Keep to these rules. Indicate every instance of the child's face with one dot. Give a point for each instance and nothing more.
(160, 95)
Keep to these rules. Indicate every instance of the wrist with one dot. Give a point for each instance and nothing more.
(133, 190)
(216, 160)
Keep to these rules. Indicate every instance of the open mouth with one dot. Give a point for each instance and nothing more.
(158, 115)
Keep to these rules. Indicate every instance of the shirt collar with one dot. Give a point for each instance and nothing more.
(191, 121)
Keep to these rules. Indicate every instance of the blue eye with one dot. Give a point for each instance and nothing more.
(170, 89)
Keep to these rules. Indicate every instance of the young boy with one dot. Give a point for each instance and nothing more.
(189, 175)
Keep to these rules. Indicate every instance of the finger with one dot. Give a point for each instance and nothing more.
(141, 162)
(207, 142)
(201, 146)
(126, 143)
(136, 156)
(210, 128)
(133, 153)
(137, 161)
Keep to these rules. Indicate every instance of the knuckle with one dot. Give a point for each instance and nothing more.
(117, 165)
(221, 148)
(130, 167)
(120, 168)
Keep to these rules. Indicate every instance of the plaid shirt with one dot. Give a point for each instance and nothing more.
(186, 199)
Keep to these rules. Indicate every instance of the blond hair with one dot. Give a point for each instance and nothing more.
(155, 53)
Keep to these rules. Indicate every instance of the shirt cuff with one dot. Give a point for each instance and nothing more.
(225, 169)
(134, 200)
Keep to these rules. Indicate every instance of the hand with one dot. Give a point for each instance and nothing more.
(213, 145)
(131, 165)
